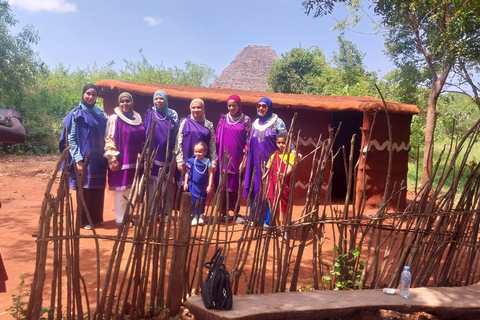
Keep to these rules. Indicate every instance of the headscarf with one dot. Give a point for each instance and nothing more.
(85, 88)
(237, 99)
(128, 95)
(203, 107)
(269, 113)
(165, 106)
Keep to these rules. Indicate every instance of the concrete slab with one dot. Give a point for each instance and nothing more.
(444, 302)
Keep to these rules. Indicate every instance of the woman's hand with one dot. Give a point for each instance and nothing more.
(80, 167)
(209, 189)
(214, 167)
(180, 166)
(185, 187)
(113, 164)
(14, 114)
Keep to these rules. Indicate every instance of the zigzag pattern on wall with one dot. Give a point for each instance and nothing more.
(300, 184)
(307, 142)
(373, 144)
(386, 145)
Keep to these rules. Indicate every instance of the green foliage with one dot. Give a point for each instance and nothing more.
(306, 71)
(347, 270)
(18, 62)
(18, 309)
(197, 75)
(438, 38)
(299, 71)
(456, 114)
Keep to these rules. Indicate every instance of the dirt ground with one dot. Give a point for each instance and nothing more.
(22, 185)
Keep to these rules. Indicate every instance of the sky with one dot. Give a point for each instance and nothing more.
(81, 33)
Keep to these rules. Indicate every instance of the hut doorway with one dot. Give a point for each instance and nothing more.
(351, 123)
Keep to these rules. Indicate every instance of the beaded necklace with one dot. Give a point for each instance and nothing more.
(137, 119)
(232, 121)
(195, 165)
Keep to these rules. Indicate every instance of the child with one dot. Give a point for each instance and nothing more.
(280, 171)
(199, 179)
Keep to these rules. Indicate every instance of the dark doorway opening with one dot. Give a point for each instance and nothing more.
(351, 123)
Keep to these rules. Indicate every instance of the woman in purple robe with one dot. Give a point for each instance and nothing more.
(233, 134)
(262, 142)
(166, 120)
(192, 129)
(124, 139)
(84, 129)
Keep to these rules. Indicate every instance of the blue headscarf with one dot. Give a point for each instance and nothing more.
(165, 106)
(269, 113)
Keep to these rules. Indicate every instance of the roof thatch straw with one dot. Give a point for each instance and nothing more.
(249, 70)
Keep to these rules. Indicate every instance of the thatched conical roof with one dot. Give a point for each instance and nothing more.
(249, 70)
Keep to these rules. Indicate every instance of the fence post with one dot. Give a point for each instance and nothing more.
(176, 280)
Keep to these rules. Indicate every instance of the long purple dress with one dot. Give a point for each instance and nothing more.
(129, 140)
(160, 137)
(234, 137)
(263, 143)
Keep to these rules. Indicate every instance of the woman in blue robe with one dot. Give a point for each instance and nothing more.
(84, 129)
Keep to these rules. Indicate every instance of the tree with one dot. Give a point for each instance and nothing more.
(349, 60)
(18, 62)
(196, 75)
(436, 35)
(298, 71)
(306, 71)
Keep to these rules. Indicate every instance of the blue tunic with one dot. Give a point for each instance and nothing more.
(87, 128)
(198, 181)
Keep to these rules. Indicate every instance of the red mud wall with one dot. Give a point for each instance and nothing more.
(373, 164)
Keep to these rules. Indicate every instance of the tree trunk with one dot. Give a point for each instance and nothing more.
(435, 91)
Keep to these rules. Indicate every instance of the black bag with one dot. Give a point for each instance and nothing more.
(216, 290)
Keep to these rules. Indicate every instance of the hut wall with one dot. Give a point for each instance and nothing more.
(313, 124)
(374, 158)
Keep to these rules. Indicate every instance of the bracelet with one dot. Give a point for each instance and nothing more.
(13, 116)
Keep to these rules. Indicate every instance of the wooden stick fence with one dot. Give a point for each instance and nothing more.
(159, 263)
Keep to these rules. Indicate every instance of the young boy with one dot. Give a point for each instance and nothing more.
(280, 171)
(199, 180)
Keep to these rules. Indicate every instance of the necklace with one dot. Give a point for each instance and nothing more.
(262, 127)
(137, 119)
(232, 121)
(195, 165)
(158, 116)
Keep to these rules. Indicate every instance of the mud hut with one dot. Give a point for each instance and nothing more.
(315, 115)
(249, 70)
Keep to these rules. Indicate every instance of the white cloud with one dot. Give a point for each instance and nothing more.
(152, 21)
(60, 6)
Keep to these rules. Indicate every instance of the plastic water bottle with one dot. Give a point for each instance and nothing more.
(405, 280)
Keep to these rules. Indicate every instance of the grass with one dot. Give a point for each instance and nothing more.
(443, 160)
